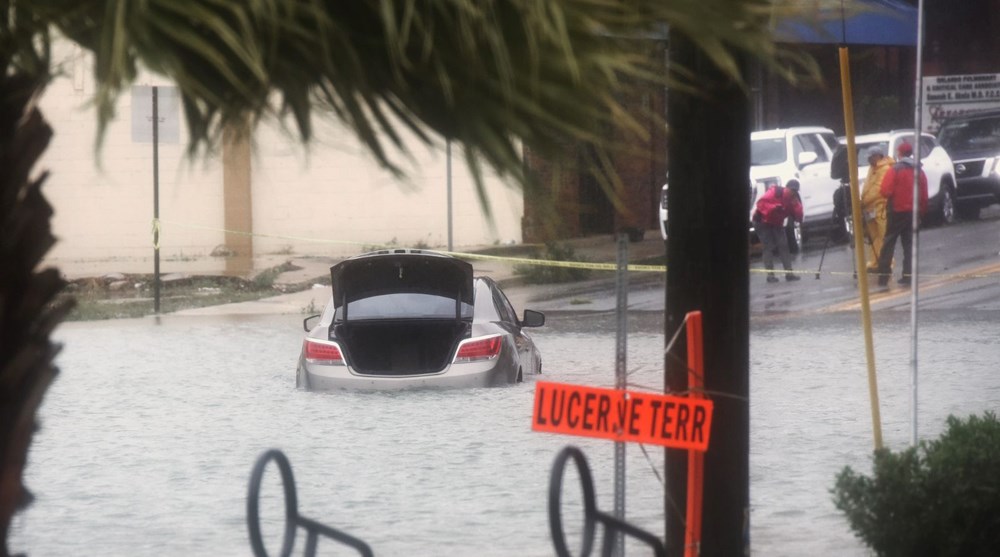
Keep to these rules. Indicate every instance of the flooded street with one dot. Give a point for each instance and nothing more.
(150, 432)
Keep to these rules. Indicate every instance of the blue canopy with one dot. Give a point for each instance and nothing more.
(883, 22)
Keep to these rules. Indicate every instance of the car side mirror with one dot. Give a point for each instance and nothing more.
(533, 318)
(305, 322)
(806, 158)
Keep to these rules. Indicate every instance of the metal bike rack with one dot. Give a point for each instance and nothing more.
(292, 518)
(591, 516)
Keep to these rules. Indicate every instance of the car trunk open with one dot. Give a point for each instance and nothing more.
(401, 313)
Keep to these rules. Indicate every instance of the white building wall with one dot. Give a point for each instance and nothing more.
(330, 198)
(333, 197)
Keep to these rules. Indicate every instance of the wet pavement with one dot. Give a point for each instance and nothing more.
(150, 431)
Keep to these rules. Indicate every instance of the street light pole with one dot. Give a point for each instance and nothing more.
(448, 151)
(918, 128)
(156, 202)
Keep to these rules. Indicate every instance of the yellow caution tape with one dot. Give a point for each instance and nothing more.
(982, 272)
(156, 234)
(553, 263)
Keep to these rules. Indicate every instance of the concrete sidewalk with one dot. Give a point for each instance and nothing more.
(309, 290)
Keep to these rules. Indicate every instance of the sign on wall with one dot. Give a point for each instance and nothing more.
(953, 95)
(167, 109)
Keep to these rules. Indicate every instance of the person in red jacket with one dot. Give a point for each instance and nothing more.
(777, 204)
(897, 188)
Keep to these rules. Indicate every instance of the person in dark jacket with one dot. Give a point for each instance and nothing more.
(897, 188)
(777, 204)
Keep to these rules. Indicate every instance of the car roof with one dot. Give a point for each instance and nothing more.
(782, 132)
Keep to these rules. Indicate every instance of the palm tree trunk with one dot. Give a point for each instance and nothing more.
(28, 310)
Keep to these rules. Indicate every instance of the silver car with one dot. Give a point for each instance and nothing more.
(405, 319)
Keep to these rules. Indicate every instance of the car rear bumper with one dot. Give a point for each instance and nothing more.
(315, 377)
(818, 223)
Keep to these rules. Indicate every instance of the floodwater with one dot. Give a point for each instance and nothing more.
(150, 433)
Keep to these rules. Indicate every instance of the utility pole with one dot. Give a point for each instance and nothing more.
(708, 269)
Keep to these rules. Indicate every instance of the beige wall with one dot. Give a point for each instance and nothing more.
(328, 199)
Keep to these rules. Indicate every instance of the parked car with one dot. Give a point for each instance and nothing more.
(973, 141)
(936, 163)
(802, 155)
(404, 319)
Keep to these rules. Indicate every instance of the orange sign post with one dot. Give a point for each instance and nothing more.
(679, 422)
(696, 460)
(619, 415)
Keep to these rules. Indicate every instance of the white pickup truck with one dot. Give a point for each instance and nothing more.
(782, 156)
(802, 155)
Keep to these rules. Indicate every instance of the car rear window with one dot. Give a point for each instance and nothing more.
(767, 151)
(403, 305)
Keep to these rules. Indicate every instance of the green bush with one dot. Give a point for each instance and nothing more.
(941, 498)
(546, 274)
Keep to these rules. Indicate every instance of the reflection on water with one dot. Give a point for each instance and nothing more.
(150, 432)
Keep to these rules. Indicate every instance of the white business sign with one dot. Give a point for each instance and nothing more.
(953, 95)
(167, 112)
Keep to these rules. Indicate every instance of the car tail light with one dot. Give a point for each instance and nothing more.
(477, 349)
(323, 352)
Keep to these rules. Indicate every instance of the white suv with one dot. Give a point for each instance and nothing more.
(802, 155)
(936, 163)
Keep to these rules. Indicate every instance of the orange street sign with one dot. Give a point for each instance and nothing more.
(632, 416)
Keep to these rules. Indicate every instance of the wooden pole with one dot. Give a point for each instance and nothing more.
(859, 243)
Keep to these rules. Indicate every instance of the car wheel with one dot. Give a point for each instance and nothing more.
(843, 228)
(946, 213)
(793, 231)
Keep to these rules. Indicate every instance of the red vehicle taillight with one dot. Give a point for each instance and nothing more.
(474, 350)
(322, 352)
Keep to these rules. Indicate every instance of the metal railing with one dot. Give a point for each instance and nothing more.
(293, 520)
(591, 515)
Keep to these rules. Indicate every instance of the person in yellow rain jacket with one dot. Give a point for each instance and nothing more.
(873, 204)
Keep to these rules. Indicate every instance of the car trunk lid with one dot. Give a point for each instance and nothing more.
(400, 272)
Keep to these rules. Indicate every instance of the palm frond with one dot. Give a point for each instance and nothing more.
(489, 74)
